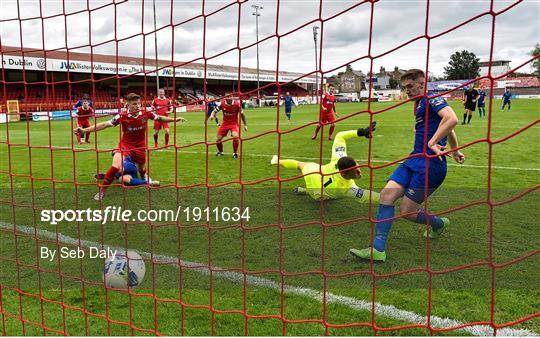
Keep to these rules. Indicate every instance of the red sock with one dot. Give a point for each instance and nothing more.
(142, 172)
(155, 138)
(109, 177)
(331, 131)
(166, 139)
(78, 137)
(316, 131)
(87, 137)
(219, 146)
(235, 144)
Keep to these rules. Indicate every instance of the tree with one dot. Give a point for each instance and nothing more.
(536, 63)
(462, 66)
(394, 84)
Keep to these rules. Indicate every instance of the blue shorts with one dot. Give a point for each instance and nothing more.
(481, 105)
(128, 168)
(412, 176)
(208, 113)
(288, 110)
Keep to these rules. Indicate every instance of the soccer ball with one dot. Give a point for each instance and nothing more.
(121, 272)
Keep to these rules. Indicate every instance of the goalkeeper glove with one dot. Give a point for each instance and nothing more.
(366, 132)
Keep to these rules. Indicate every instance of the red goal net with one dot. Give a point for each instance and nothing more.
(229, 249)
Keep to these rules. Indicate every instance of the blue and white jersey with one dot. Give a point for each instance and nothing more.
(288, 101)
(433, 120)
(507, 96)
(481, 97)
(212, 105)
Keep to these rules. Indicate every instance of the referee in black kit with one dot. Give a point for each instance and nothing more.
(469, 99)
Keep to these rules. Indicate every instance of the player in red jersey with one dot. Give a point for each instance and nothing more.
(133, 142)
(84, 113)
(328, 112)
(230, 109)
(162, 106)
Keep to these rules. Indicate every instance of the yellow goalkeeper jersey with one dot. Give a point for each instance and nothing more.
(333, 185)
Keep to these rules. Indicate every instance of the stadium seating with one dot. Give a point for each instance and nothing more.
(50, 98)
(40, 97)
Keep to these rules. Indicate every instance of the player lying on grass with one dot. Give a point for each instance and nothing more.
(409, 178)
(133, 142)
(128, 174)
(338, 176)
(231, 109)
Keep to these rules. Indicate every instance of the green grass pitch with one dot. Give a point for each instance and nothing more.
(290, 240)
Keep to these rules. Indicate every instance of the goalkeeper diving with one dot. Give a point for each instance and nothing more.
(337, 179)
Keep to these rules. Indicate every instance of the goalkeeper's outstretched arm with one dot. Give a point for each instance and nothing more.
(363, 196)
(339, 148)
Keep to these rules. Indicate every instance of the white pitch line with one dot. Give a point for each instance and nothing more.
(388, 311)
(182, 150)
(406, 125)
(365, 160)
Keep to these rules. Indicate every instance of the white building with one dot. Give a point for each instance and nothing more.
(497, 67)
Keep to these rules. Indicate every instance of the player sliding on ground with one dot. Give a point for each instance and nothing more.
(128, 174)
(408, 180)
(338, 176)
(133, 142)
(231, 109)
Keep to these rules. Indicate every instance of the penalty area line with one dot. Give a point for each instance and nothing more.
(450, 164)
(388, 311)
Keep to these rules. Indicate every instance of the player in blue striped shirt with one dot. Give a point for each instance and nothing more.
(507, 96)
(417, 177)
(482, 103)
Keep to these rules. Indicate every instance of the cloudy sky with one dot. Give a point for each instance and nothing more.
(344, 30)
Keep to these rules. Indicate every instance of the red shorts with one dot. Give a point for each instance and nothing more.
(224, 129)
(327, 118)
(83, 123)
(138, 154)
(159, 124)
